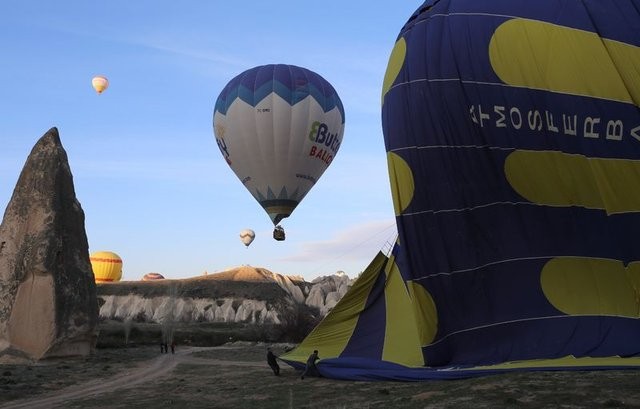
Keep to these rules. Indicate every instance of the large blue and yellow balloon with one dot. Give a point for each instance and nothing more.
(512, 131)
(278, 127)
(513, 138)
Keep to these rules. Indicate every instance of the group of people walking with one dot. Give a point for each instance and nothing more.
(164, 348)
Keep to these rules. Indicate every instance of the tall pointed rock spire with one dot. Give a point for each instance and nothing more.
(48, 304)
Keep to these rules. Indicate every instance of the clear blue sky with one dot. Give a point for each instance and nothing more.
(147, 172)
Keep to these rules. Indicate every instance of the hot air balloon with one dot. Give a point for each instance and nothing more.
(100, 83)
(152, 277)
(107, 266)
(512, 132)
(278, 127)
(247, 236)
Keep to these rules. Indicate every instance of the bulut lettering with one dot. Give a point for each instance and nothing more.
(320, 134)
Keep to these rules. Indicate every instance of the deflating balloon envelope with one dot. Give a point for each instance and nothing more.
(278, 127)
(512, 132)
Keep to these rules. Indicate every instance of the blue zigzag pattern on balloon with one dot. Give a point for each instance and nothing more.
(254, 85)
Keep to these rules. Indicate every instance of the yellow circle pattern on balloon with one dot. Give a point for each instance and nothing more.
(402, 183)
(426, 313)
(396, 61)
(592, 286)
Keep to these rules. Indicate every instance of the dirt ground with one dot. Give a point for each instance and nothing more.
(237, 376)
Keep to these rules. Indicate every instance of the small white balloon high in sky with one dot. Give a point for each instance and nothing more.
(100, 83)
(247, 236)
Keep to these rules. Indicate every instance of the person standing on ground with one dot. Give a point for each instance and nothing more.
(272, 361)
(173, 347)
(311, 368)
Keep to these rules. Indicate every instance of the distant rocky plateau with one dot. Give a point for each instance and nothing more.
(267, 305)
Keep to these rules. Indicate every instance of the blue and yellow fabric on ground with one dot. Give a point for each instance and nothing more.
(512, 131)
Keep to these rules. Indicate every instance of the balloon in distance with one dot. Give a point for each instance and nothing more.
(247, 236)
(100, 83)
(152, 277)
(107, 266)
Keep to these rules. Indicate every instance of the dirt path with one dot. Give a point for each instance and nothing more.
(147, 371)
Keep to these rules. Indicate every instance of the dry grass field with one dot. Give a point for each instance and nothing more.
(236, 376)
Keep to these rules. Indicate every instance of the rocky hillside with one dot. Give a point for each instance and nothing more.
(240, 295)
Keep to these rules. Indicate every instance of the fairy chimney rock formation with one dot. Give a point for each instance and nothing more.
(48, 304)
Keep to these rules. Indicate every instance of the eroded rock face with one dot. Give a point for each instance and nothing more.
(48, 304)
(187, 309)
(326, 291)
(139, 301)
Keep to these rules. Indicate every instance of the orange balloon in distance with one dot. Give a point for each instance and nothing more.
(100, 83)
(107, 266)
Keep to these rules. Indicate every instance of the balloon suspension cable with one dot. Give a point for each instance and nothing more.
(386, 248)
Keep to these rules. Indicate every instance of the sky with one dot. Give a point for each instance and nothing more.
(147, 171)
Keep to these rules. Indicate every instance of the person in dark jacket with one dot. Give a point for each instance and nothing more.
(311, 368)
(273, 362)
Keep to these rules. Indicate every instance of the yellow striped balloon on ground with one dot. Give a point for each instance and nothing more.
(107, 266)
(278, 127)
